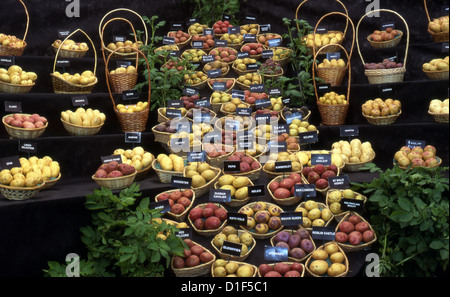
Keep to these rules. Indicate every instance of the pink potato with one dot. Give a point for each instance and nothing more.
(355, 238)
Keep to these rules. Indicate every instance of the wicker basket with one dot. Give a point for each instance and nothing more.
(236, 46)
(439, 163)
(17, 51)
(257, 57)
(232, 257)
(252, 175)
(224, 74)
(437, 36)
(61, 86)
(65, 53)
(15, 89)
(225, 113)
(387, 43)
(322, 191)
(182, 45)
(165, 176)
(161, 49)
(340, 216)
(302, 274)
(261, 235)
(440, 74)
(348, 248)
(162, 137)
(292, 259)
(115, 54)
(200, 191)
(77, 130)
(240, 263)
(284, 61)
(356, 167)
(236, 202)
(310, 259)
(209, 82)
(243, 87)
(117, 183)
(17, 193)
(306, 118)
(272, 77)
(218, 162)
(208, 233)
(439, 117)
(178, 217)
(321, 206)
(382, 120)
(23, 133)
(51, 182)
(136, 121)
(284, 202)
(274, 175)
(241, 72)
(381, 76)
(199, 270)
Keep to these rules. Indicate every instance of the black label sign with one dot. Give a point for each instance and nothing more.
(252, 67)
(261, 103)
(232, 125)
(339, 182)
(169, 40)
(212, 137)
(201, 117)
(324, 88)
(219, 86)
(231, 166)
(331, 56)
(256, 191)
(265, 28)
(294, 116)
(386, 25)
(108, 159)
(244, 112)
(181, 182)
(195, 65)
(214, 73)
(238, 94)
(179, 144)
(202, 103)
(9, 162)
(7, 60)
(234, 30)
(207, 31)
(13, 106)
(162, 206)
(275, 253)
(28, 147)
(308, 137)
(413, 143)
(123, 64)
(236, 219)
(63, 63)
(119, 38)
(226, 17)
(267, 54)
(219, 195)
(191, 21)
(220, 42)
(305, 191)
(130, 95)
(245, 136)
(274, 91)
(250, 18)
(176, 26)
(175, 54)
(208, 58)
(352, 205)
(79, 100)
(182, 125)
(190, 91)
(277, 146)
(243, 55)
(244, 145)
(324, 159)
(349, 131)
(323, 233)
(274, 42)
(321, 30)
(173, 113)
(286, 101)
(197, 44)
(283, 166)
(262, 118)
(184, 233)
(175, 103)
(249, 38)
(257, 88)
(63, 33)
(291, 218)
(445, 47)
(280, 129)
(232, 248)
(196, 156)
(133, 137)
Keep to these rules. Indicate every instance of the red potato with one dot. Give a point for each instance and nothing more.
(355, 238)
(346, 227)
(264, 268)
(197, 250)
(178, 262)
(192, 261)
(368, 236)
(341, 237)
(281, 268)
(362, 227)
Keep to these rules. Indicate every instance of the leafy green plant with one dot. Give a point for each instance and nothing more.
(409, 213)
(207, 12)
(124, 239)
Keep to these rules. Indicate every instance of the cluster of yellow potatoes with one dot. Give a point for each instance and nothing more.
(140, 106)
(120, 70)
(354, 151)
(10, 40)
(32, 172)
(333, 63)
(15, 75)
(70, 45)
(201, 174)
(436, 65)
(297, 126)
(171, 162)
(249, 79)
(84, 117)
(127, 43)
(195, 78)
(136, 157)
(439, 25)
(323, 39)
(322, 257)
(85, 78)
(233, 38)
(332, 98)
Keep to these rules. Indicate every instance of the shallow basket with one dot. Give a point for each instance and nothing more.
(252, 175)
(321, 206)
(61, 86)
(284, 202)
(292, 259)
(14, 89)
(200, 191)
(323, 191)
(348, 248)
(243, 87)
(382, 120)
(439, 163)
(162, 137)
(338, 217)
(439, 117)
(310, 259)
(437, 36)
(199, 270)
(387, 43)
(165, 176)
(239, 262)
(208, 233)
(182, 45)
(178, 217)
(236, 202)
(209, 83)
(23, 133)
(356, 167)
(258, 235)
(441, 74)
(232, 257)
(288, 263)
(284, 61)
(117, 183)
(77, 130)
(16, 193)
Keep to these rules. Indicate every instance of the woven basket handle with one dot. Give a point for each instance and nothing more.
(28, 20)
(348, 65)
(383, 10)
(426, 10)
(103, 30)
(122, 9)
(93, 47)
(107, 79)
(348, 20)
(301, 4)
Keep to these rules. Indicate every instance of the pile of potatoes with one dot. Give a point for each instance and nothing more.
(333, 63)
(283, 156)
(140, 106)
(332, 98)
(230, 233)
(84, 117)
(354, 151)
(137, 157)
(201, 173)
(314, 214)
(238, 186)
(120, 46)
(436, 65)
(32, 172)
(85, 78)
(16, 76)
(171, 162)
(121, 70)
(323, 39)
(327, 260)
(70, 45)
(305, 157)
(439, 106)
(334, 198)
(439, 25)
(10, 40)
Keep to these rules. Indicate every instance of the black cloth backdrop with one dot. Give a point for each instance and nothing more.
(46, 227)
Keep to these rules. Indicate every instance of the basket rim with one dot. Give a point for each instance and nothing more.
(24, 189)
(82, 127)
(383, 117)
(435, 71)
(255, 269)
(23, 129)
(202, 205)
(395, 163)
(308, 261)
(16, 85)
(74, 85)
(437, 114)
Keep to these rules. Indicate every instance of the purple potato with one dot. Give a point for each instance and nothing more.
(307, 245)
(297, 253)
(282, 236)
(294, 241)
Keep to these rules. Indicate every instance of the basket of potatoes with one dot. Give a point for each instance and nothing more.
(282, 55)
(332, 71)
(327, 260)
(244, 82)
(243, 66)
(203, 176)
(11, 45)
(235, 41)
(299, 243)
(70, 49)
(114, 176)
(22, 126)
(196, 79)
(436, 68)
(269, 166)
(263, 219)
(215, 65)
(231, 234)
(167, 166)
(354, 233)
(282, 189)
(19, 188)
(83, 122)
(196, 261)
(123, 78)
(180, 201)
(16, 81)
(438, 109)
(238, 187)
(334, 201)
(216, 153)
(381, 112)
(354, 153)
(182, 143)
(181, 38)
(314, 214)
(140, 159)
(438, 27)
(164, 50)
(222, 268)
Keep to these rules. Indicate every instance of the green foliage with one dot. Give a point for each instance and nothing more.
(409, 213)
(123, 239)
(207, 12)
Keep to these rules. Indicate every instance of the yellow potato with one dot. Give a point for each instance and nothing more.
(241, 193)
(166, 164)
(241, 182)
(319, 267)
(336, 269)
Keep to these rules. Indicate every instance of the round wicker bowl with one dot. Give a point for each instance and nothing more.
(286, 201)
(23, 133)
(302, 274)
(349, 248)
(199, 270)
(231, 257)
(382, 120)
(51, 182)
(15, 89)
(210, 83)
(439, 117)
(338, 217)
(440, 74)
(178, 217)
(292, 259)
(200, 191)
(18, 193)
(310, 259)
(382, 76)
(439, 163)
(321, 206)
(77, 130)
(240, 263)
(256, 235)
(165, 176)
(182, 45)
(252, 175)
(236, 202)
(207, 233)
(117, 183)
(355, 167)
(61, 86)
(64, 53)
(387, 43)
